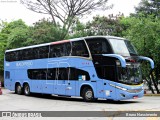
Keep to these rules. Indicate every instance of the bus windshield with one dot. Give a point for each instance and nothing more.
(122, 47)
(130, 75)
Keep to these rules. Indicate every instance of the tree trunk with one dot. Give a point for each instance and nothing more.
(154, 82)
(149, 86)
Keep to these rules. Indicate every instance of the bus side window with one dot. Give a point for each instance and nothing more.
(35, 53)
(12, 56)
(79, 49)
(77, 74)
(7, 75)
(63, 74)
(25, 54)
(51, 52)
(106, 72)
(37, 74)
(98, 46)
(20, 55)
(7, 56)
(30, 54)
(67, 49)
(51, 74)
(43, 52)
(57, 50)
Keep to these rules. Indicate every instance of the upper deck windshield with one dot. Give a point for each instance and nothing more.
(122, 47)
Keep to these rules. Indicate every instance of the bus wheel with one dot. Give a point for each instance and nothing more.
(88, 94)
(18, 89)
(26, 90)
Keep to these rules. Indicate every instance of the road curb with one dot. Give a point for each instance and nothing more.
(151, 94)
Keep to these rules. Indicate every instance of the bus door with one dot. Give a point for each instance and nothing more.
(50, 82)
(110, 90)
(109, 82)
(105, 85)
(106, 89)
(100, 88)
(71, 83)
(9, 77)
(62, 78)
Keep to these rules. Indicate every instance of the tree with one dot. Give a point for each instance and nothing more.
(99, 26)
(10, 37)
(16, 33)
(65, 11)
(144, 34)
(149, 7)
(43, 31)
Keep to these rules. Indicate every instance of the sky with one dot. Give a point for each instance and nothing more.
(12, 10)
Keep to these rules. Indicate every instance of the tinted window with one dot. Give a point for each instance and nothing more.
(11, 56)
(79, 49)
(77, 74)
(63, 74)
(39, 74)
(35, 53)
(28, 54)
(106, 72)
(7, 75)
(60, 50)
(58, 73)
(51, 74)
(7, 56)
(72, 74)
(98, 46)
(67, 49)
(43, 52)
(20, 54)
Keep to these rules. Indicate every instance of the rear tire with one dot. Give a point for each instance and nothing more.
(18, 89)
(27, 90)
(88, 94)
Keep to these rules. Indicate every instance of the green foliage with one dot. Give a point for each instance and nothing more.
(148, 7)
(7, 29)
(98, 26)
(17, 37)
(79, 30)
(43, 31)
(144, 34)
(17, 34)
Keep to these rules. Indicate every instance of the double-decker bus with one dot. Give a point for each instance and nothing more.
(92, 67)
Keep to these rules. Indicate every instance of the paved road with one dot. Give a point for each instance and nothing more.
(10, 101)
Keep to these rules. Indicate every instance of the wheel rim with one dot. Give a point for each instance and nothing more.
(89, 95)
(18, 88)
(26, 90)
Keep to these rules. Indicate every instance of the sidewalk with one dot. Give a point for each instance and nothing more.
(149, 93)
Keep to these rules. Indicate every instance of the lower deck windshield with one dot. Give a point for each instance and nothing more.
(130, 75)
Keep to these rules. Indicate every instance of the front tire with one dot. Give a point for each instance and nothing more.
(27, 90)
(18, 89)
(88, 94)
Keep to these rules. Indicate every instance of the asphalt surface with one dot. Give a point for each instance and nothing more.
(9, 101)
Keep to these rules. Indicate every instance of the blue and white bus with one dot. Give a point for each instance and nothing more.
(91, 67)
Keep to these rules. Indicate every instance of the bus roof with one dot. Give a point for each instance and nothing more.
(64, 41)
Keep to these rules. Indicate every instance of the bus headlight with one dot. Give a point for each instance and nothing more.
(118, 87)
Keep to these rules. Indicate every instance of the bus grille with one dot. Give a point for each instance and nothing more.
(134, 90)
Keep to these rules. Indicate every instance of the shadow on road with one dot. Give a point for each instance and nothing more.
(75, 99)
